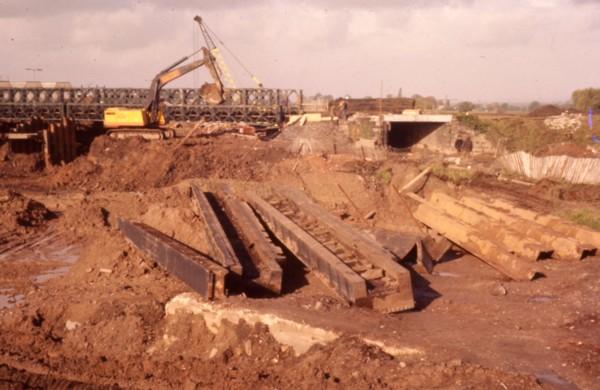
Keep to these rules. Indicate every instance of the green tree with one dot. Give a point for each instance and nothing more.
(465, 106)
(534, 105)
(586, 98)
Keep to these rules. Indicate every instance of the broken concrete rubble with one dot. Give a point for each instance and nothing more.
(299, 335)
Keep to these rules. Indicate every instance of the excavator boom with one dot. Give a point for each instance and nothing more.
(211, 93)
(150, 115)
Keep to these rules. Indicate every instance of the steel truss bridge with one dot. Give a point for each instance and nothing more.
(251, 105)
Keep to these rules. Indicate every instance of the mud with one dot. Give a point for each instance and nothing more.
(101, 322)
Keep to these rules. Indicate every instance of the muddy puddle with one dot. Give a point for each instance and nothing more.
(53, 256)
(9, 298)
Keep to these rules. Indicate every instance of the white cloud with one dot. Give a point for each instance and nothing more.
(500, 50)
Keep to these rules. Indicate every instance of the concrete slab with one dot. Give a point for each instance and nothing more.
(299, 335)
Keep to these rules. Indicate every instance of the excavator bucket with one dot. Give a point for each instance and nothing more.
(211, 93)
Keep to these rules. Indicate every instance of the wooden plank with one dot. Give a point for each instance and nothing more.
(312, 253)
(60, 143)
(197, 271)
(583, 234)
(564, 247)
(46, 149)
(518, 243)
(408, 186)
(20, 136)
(70, 143)
(221, 249)
(472, 241)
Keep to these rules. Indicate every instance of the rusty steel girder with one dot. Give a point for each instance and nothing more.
(221, 249)
(196, 270)
(265, 256)
(312, 253)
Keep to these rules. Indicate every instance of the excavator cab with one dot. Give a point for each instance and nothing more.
(116, 117)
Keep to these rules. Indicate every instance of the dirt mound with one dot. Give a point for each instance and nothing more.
(20, 212)
(547, 110)
(565, 149)
(17, 164)
(315, 138)
(135, 164)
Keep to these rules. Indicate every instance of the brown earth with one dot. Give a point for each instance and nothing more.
(102, 323)
(566, 149)
(547, 110)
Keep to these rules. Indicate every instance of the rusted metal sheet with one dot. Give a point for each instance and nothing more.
(436, 248)
(399, 244)
(263, 252)
(396, 288)
(221, 249)
(312, 253)
(197, 271)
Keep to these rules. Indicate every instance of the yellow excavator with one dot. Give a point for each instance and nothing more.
(151, 115)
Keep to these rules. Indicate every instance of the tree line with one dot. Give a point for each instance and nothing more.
(585, 98)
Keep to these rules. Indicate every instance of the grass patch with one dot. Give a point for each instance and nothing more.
(454, 175)
(473, 122)
(586, 217)
(362, 128)
(530, 134)
(384, 176)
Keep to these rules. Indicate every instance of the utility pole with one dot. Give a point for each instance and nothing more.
(34, 71)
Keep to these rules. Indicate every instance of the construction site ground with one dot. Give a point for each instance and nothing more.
(81, 308)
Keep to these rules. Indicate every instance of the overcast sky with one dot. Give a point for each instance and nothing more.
(509, 50)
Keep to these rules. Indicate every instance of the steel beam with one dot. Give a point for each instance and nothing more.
(370, 250)
(221, 249)
(263, 252)
(312, 253)
(197, 271)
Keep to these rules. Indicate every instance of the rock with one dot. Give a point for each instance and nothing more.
(213, 352)
(499, 290)
(248, 347)
(455, 363)
(402, 365)
(72, 325)
(372, 274)
(190, 385)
